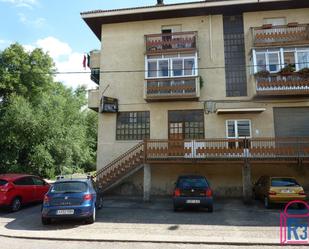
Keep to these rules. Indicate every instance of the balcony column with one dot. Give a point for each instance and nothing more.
(247, 182)
(147, 182)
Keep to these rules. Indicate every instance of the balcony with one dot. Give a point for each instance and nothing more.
(172, 89)
(94, 99)
(238, 150)
(290, 34)
(173, 42)
(277, 84)
(94, 65)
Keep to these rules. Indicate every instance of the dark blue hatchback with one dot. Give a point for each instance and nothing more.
(192, 191)
(72, 199)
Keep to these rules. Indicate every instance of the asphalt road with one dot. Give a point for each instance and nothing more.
(133, 220)
(8, 243)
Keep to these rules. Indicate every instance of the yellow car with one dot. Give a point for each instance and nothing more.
(278, 190)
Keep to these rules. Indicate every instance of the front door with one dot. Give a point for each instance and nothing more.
(176, 137)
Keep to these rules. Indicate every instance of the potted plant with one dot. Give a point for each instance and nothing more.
(262, 74)
(304, 73)
(288, 70)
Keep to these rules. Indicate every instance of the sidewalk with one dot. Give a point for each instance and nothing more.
(132, 220)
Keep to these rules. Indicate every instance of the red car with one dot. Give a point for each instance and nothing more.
(18, 189)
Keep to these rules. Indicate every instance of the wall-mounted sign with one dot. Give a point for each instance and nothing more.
(109, 105)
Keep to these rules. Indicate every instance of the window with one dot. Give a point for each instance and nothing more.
(163, 68)
(72, 187)
(275, 21)
(273, 60)
(26, 181)
(3, 182)
(268, 60)
(303, 60)
(133, 126)
(186, 124)
(238, 128)
(173, 65)
(152, 69)
(38, 181)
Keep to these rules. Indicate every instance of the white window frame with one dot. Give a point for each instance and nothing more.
(281, 59)
(235, 121)
(170, 66)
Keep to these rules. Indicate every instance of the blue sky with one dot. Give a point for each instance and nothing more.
(56, 26)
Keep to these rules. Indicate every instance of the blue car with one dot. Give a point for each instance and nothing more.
(72, 199)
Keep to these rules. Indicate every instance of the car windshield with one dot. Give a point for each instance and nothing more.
(3, 182)
(69, 187)
(283, 182)
(186, 183)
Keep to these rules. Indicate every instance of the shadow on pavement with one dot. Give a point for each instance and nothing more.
(226, 213)
(29, 218)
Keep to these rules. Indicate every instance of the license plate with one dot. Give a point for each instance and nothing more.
(65, 212)
(193, 201)
(286, 191)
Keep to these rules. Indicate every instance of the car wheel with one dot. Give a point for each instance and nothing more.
(210, 209)
(46, 221)
(100, 206)
(266, 203)
(92, 218)
(16, 204)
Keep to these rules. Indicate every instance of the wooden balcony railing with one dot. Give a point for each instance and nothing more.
(172, 88)
(181, 41)
(277, 84)
(291, 34)
(227, 149)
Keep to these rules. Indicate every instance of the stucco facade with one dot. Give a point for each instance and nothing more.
(122, 63)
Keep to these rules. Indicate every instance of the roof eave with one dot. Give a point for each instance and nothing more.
(95, 19)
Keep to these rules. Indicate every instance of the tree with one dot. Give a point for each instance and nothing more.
(45, 128)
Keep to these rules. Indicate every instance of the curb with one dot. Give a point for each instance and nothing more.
(145, 241)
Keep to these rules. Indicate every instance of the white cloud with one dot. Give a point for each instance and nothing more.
(66, 60)
(35, 23)
(22, 3)
(54, 47)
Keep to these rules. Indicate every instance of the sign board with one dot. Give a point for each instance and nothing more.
(108, 105)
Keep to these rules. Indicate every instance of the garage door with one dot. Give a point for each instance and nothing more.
(291, 122)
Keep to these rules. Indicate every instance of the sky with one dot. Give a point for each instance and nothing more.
(57, 28)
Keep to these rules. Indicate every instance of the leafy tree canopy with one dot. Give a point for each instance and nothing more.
(45, 128)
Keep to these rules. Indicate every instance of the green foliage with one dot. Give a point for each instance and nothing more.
(304, 73)
(45, 128)
(288, 69)
(262, 74)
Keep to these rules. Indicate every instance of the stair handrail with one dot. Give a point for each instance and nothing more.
(122, 156)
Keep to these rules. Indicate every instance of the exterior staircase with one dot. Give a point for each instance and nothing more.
(122, 167)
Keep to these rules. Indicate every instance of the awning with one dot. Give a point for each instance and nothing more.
(239, 110)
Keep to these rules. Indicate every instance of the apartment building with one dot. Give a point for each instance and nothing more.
(218, 88)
